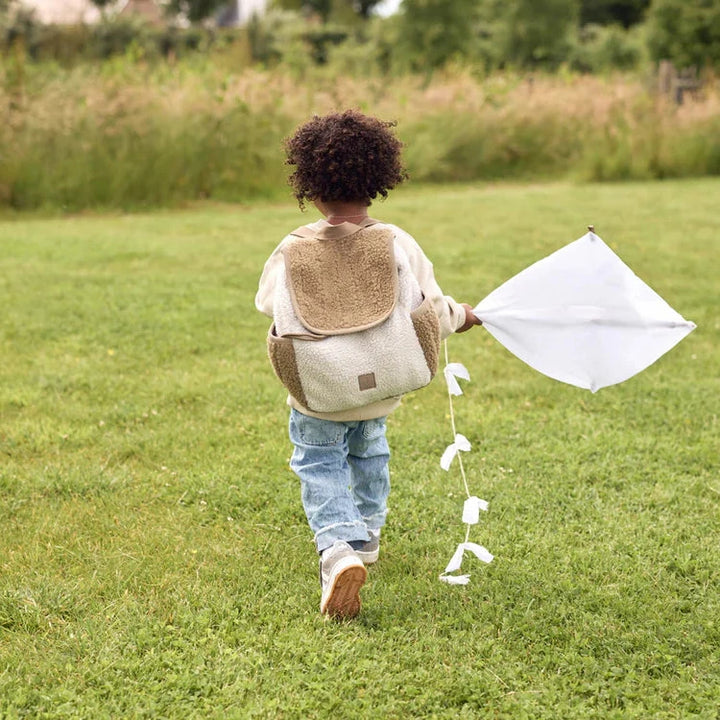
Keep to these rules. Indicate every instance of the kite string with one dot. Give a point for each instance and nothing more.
(454, 429)
(454, 432)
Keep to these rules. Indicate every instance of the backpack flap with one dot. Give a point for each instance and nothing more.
(343, 285)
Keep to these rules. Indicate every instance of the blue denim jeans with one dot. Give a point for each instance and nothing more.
(344, 476)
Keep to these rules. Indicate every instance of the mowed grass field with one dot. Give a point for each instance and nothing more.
(154, 555)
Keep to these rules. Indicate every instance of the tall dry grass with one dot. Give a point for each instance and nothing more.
(125, 134)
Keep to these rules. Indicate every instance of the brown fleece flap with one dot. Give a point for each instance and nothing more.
(345, 284)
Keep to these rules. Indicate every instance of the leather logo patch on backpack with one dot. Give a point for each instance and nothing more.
(367, 381)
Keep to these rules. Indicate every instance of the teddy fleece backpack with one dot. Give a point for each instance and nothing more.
(351, 325)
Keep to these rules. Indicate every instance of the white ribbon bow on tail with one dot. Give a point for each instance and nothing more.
(471, 516)
(456, 561)
(461, 443)
(453, 371)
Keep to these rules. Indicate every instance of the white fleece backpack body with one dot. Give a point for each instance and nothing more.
(351, 325)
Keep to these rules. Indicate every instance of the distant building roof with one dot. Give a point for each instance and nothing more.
(150, 10)
(68, 12)
(63, 11)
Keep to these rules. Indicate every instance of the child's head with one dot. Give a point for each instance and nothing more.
(344, 157)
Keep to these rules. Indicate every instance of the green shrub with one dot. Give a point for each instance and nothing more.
(130, 134)
(159, 161)
(127, 147)
(70, 45)
(451, 146)
(651, 138)
(687, 32)
(600, 49)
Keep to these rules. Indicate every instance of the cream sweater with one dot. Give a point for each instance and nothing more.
(450, 313)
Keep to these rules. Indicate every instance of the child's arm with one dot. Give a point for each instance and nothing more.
(272, 272)
(453, 316)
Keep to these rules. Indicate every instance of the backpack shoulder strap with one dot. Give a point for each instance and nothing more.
(333, 232)
(304, 231)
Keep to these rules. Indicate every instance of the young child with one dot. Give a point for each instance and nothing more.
(342, 162)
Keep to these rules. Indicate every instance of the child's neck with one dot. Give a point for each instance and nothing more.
(337, 213)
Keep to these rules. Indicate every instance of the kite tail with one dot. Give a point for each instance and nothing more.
(472, 504)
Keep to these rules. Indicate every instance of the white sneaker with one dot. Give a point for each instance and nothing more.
(370, 551)
(342, 574)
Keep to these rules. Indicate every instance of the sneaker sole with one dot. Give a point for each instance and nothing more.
(343, 597)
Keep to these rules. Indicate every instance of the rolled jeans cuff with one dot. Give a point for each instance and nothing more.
(348, 531)
(376, 521)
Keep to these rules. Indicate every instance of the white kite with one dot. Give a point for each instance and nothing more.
(580, 316)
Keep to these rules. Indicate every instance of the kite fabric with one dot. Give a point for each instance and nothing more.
(582, 316)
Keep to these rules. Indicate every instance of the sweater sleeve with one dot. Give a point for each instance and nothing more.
(272, 272)
(450, 313)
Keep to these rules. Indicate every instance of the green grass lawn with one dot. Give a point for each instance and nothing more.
(154, 556)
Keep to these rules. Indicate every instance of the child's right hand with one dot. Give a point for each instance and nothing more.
(470, 319)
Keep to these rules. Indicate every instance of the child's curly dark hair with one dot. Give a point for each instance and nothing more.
(344, 157)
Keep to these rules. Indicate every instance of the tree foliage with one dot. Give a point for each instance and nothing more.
(364, 7)
(685, 31)
(434, 31)
(584, 35)
(195, 10)
(613, 12)
(327, 9)
(531, 32)
(494, 32)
